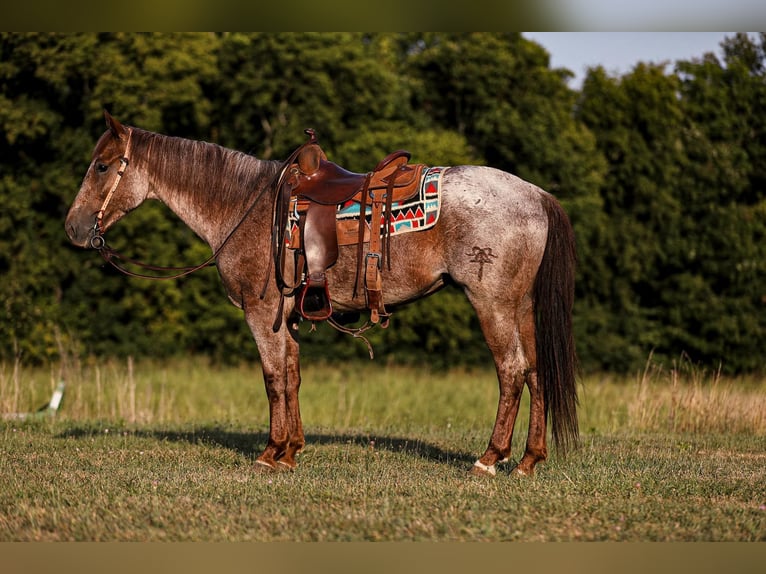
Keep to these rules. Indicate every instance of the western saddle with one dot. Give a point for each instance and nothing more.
(314, 188)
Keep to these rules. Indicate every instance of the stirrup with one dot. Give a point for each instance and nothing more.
(314, 301)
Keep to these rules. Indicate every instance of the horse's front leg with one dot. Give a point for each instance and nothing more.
(282, 379)
(276, 446)
(295, 437)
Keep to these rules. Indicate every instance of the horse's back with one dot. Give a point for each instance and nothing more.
(485, 195)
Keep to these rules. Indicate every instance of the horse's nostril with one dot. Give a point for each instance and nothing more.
(74, 233)
(71, 231)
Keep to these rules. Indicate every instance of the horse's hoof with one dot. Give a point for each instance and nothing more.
(263, 467)
(523, 473)
(285, 467)
(480, 469)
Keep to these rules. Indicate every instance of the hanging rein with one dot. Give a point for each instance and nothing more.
(98, 242)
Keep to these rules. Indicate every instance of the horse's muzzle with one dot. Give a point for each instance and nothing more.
(83, 235)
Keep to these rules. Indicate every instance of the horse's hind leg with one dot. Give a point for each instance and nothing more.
(504, 338)
(536, 450)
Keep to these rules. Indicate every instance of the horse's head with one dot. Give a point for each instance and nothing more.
(109, 190)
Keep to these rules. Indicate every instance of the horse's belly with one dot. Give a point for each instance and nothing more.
(416, 270)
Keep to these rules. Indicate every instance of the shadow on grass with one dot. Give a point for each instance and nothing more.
(251, 444)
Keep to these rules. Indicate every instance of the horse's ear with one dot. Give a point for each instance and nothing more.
(117, 129)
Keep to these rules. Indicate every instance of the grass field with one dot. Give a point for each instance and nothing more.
(164, 452)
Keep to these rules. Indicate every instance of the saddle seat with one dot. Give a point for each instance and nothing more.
(331, 184)
(317, 188)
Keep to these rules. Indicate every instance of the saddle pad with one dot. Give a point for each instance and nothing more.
(416, 214)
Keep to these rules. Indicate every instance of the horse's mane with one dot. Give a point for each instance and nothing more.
(201, 170)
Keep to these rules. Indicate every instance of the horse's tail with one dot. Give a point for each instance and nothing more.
(554, 298)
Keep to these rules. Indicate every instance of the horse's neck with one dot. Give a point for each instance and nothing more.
(210, 188)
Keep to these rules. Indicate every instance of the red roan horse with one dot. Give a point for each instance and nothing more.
(522, 289)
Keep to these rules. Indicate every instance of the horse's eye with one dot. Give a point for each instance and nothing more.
(101, 167)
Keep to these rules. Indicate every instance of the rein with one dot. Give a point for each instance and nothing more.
(109, 255)
(279, 183)
(98, 241)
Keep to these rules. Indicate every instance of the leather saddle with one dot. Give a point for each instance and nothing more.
(315, 188)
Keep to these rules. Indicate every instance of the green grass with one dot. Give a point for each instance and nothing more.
(156, 452)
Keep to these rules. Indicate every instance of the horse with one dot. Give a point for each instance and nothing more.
(507, 243)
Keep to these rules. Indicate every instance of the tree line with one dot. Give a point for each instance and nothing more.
(662, 171)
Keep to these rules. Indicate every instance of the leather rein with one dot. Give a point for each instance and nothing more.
(282, 190)
(98, 241)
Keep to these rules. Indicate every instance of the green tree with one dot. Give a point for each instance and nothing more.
(637, 120)
(37, 144)
(683, 196)
(724, 195)
(52, 91)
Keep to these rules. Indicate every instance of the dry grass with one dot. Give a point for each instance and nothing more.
(683, 398)
(688, 398)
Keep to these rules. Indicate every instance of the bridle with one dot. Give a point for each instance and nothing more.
(97, 240)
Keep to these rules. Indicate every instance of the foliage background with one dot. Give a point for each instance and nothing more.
(662, 171)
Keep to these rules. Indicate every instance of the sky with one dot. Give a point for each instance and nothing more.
(656, 15)
(618, 52)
